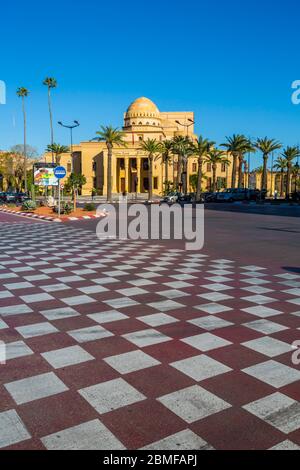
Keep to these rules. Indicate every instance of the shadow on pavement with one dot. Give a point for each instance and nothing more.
(265, 209)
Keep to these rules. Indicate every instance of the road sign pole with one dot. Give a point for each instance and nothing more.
(58, 199)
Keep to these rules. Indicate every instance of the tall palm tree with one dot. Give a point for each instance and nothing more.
(182, 148)
(50, 83)
(23, 93)
(214, 157)
(281, 165)
(200, 148)
(166, 149)
(111, 136)
(266, 146)
(152, 147)
(246, 147)
(237, 146)
(289, 154)
(58, 150)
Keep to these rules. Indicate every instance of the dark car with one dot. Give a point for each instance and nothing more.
(296, 196)
(14, 197)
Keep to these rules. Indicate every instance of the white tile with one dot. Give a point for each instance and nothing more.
(93, 289)
(15, 310)
(67, 356)
(111, 395)
(121, 302)
(183, 440)
(90, 333)
(78, 300)
(36, 329)
(12, 429)
(213, 308)
(216, 287)
(146, 337)
(278, 410)
(266, 327)
(178, 284)
(132, 291)
(18, 285)
(157, 319)
(285, 445)
(55, 287)
(29, 299)
(92, 435)
(3, 325)
(259, 299)
(215, 296)
(200, 367)
(273, 373)
(107, 316)
(262, 311)
(36, 387)
(17, 349)
(271, 347)
(58, 313)
(210, 322)
(165, 305)
(131, 361)
(193, 403)
(5, 294)
(206, 341)
(172, 293)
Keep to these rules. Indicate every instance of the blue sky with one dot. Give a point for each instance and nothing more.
(232, 63)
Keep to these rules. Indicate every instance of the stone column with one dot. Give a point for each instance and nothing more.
(138, 168)
(126, 173)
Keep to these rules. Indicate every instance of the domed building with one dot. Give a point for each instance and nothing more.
(143, 120)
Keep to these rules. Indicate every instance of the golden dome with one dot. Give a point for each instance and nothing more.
(142, 107)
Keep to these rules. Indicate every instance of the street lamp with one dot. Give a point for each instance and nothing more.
(71, 127)
(186, 125)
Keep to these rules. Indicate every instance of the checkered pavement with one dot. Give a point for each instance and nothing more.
(131, 345)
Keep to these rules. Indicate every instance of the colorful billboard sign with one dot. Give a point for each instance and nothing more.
(44, 176)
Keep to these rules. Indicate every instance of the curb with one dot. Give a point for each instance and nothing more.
(51, 219)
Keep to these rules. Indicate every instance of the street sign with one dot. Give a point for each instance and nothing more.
(60, 172)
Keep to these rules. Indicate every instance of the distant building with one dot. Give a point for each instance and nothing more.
(142, 121)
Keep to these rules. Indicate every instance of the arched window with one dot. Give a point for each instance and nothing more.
(140, 123)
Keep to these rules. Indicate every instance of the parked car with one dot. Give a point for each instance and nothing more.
(240, 194)
(296, 196)
(210, 196)
(171, 197)
(14, 197)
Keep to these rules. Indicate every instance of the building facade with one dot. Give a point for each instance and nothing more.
(141, 121)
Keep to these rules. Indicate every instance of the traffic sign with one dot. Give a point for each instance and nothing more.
(60, 172)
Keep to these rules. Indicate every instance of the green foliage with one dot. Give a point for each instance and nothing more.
(65, 208)
(89, 207)
(112, 136)
(76, 180)
(29, 206)
(193, 182)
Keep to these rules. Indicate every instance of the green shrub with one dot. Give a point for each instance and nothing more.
(65, 208)
(29, 206)
(89, 206)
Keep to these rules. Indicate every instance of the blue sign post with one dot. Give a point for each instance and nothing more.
(59, 173)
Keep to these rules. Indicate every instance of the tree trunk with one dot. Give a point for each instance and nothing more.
(288, 181)
(240, 180)
(184, 176)
(166, 168)
(282, 183)
(179, 172)
(264, 174)
(150, 173)
(51, 122)
(214, 172)
(109, 176)
(25, 149)
(199, 179)
(234, 164)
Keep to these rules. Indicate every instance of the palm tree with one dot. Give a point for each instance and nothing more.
(75, 181)
(266, 146)
(237, 145)
(152, 147)
(165, 149)
(58, 150)
(23, 93)
(289, 154)
(281, 165)
(214, 157)
(247, 147)
(50, 83)
(201, 148)
(111, 136)
(182, 147)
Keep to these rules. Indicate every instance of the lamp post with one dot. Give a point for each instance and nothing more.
(185, 125)
(71, 127)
